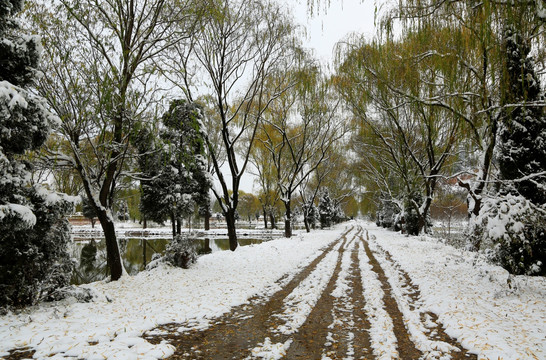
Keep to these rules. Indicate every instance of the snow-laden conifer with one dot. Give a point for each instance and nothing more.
(34, 233)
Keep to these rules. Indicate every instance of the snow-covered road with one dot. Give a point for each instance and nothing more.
(352, 292)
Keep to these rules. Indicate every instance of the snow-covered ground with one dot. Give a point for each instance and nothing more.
(130, 229)
(126, 308)
(488, 312)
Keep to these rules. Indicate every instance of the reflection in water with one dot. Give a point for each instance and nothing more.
(90, 254)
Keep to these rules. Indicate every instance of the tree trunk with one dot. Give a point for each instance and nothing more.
(144, 223)
(113, 257)
(287, 220)
(306, 223)
(178, 226)
(207, 221)
(144, 253)
(272, 220)
(232, 234)
(265, 218)
(173, 224)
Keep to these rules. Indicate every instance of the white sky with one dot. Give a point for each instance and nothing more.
(327, 26)
(331, 24)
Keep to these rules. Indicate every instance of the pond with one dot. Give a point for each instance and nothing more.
(90, 254)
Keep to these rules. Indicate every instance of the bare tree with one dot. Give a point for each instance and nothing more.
(240, 44)
(302, 128)
(99, 82)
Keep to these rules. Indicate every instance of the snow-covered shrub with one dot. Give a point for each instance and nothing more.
(412, 216)
(180, 252)
(387, 213)
(515, 230)
(34, 233)
(34, 257)
(80, 294)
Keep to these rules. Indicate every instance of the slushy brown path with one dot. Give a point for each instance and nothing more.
(320, 313)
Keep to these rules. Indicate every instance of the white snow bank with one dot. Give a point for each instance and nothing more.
(132, 305)
(473, 299)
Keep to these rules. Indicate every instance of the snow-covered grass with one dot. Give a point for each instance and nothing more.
(489, 312)
(111, 325)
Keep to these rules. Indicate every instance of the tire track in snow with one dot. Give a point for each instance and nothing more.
(382, 344)
(340, 339)
(423, 326)
(233, 335)
(306, 314)
(349, 337)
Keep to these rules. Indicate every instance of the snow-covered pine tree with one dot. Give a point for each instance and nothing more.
(34, 232)
(179, 179)
(516, 221)
(326, 209)
(522, 134)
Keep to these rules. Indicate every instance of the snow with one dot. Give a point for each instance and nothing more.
(299, 303)
(382, 336)
(20, 211)
(489, 312)
(14, 95)
(124, 309)
(495, 315)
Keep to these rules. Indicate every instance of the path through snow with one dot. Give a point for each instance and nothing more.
(355, 292)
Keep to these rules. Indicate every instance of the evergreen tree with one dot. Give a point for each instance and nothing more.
(34, 233)
(326, 209)
(523, 131)
(177, 171)
(521, 246)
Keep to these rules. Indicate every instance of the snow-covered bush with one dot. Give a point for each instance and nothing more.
(180, 252)
(411, 215)
(34, 233)
(515, 230)
(387, 213)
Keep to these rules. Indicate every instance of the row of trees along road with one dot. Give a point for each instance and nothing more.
(112, 71)
(451, 89)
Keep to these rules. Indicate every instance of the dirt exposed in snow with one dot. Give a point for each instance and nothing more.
(234, 335)
(335, 328)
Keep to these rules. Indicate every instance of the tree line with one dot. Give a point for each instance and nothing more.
(162, 97)
(450, 92)
(165, 97)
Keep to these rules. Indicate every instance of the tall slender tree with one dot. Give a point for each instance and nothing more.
(240, 44)
(98, 81)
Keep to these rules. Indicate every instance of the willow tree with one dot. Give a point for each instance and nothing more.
(265, 177)
(240, 44)
(98, 80)
(478, 56)
(303, 125)
(383, 84)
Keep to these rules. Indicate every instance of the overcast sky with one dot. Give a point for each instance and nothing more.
(329, 25)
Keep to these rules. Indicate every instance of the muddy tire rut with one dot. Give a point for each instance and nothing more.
(234, 335)
(337, 327)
